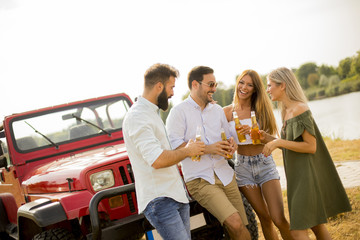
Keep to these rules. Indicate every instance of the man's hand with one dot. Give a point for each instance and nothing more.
(195, 148)
(233, 145)
(219, 148)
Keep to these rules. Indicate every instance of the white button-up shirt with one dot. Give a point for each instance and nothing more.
(181, 126)
(145, 139)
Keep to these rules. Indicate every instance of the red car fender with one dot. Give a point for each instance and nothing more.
(76, 204)
(10, 206)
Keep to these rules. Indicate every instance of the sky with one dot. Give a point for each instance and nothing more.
(53, 52)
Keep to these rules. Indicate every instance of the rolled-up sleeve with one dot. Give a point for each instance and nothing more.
(146, 143)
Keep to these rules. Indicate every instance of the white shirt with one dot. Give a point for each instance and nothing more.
(145, 139)
(181, 126)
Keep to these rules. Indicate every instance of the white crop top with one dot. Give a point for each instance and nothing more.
(246, 121)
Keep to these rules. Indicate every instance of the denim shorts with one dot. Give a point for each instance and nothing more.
(170, 218)
(255, 170)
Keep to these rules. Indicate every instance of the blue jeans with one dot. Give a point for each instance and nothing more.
(170, 218)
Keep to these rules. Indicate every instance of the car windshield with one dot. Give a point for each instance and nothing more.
(55, 127)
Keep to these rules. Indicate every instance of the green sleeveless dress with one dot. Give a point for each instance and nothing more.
(314, 189)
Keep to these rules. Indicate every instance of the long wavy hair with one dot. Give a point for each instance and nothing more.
(260, 102)
(293, 88)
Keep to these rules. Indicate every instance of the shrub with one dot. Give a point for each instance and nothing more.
(355, 86)
(345, 87)
(332, 91)
(313, 79)
(311, 94)
(351, 79)
(334, 79)
(320, 93)
(323, 81)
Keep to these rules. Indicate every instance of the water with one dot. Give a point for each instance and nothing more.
(336, 117)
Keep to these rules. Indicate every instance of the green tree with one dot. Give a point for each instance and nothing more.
(344, 68)
(223, 96)
(334, 79)
(313, 79)
(303, 72)
(185, 95)
(264, 80)
(326, 70)
(323, 81)
(355, 65)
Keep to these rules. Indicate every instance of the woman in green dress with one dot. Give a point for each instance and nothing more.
(314, 189)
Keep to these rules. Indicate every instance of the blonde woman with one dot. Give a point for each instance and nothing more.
(314, 189)
(256, 175)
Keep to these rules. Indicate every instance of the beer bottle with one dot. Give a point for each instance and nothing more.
(224, 138)
(197, 139)
(255, 136)
(241, 137)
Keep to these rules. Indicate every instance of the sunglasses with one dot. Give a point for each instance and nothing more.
(211, 85)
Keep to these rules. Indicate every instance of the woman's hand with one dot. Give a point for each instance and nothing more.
(265, 137)
(271, 146)
(244, 129)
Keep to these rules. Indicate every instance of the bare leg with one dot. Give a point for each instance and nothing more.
(321, 232)
(300, 234)
(255, 198)
(236, 228)
(273, 197)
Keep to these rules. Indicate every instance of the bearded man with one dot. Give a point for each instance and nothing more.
(160, 192)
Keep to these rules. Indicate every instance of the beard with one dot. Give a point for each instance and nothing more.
(205, 97)
(163, 100)
(209, 99)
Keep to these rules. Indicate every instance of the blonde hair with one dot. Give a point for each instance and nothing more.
(260, 102)
(293, 89)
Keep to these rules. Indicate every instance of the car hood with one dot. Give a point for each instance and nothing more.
(69, 174)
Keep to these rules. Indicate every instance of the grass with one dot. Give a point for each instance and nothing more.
(340, 150)
(345, 226)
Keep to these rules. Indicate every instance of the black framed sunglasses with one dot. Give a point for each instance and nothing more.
(211, 85)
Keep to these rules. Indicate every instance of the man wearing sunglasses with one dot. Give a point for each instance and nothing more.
(210, 181)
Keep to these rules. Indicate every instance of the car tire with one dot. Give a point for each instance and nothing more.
(55, 233)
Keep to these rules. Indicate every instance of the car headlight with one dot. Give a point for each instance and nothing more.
(102, 180)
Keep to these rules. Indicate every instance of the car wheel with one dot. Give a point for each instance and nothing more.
(54, 234)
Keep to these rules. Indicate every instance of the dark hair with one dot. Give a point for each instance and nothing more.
(159, 73)
(197, 74)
